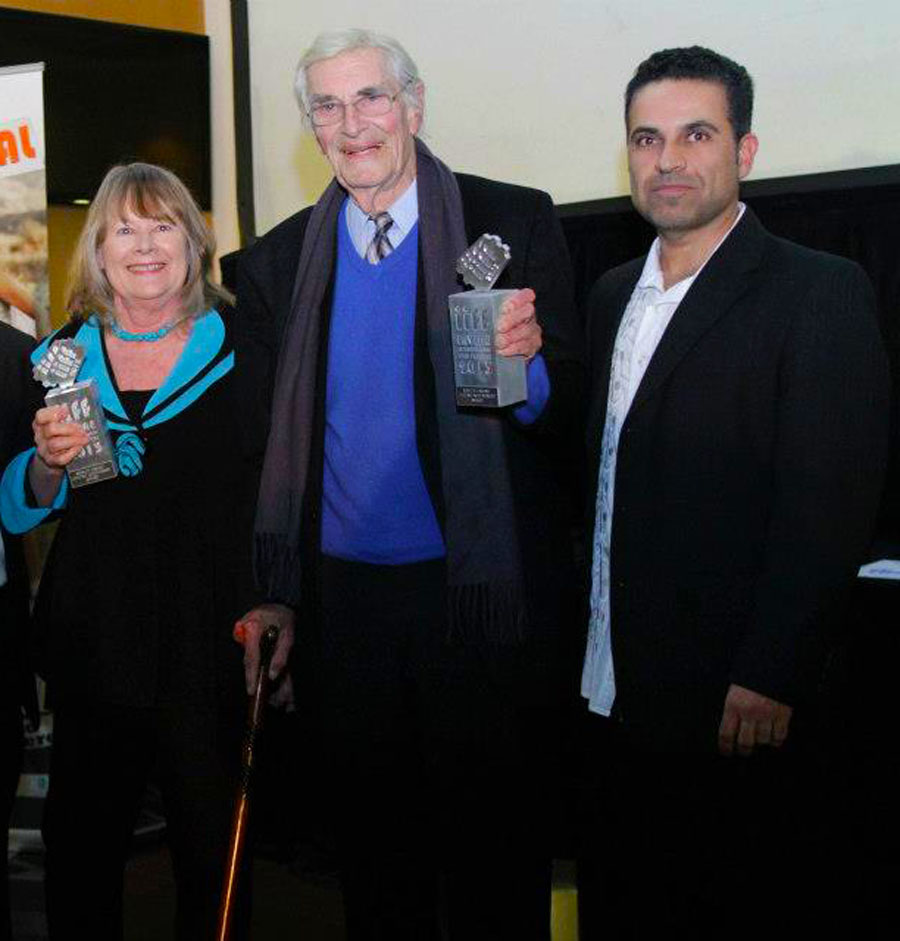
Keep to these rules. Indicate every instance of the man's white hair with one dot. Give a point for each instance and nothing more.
(332, 43)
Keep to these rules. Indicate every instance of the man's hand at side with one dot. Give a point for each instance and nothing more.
(749, 720)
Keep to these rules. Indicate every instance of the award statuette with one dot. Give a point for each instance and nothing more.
(483, 377)
(57, 370)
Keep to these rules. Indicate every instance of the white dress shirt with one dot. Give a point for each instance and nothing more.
(404, 215)
(647, 315)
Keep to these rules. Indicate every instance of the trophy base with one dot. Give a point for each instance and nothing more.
(96, 461)
(484, 378)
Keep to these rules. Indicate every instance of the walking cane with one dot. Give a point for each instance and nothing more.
(242, 806)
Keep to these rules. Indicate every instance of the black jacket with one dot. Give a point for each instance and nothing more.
(524, 219)
(748, 475)
(16, 677)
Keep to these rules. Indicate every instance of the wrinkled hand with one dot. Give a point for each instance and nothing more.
(518, 332)
(57, 438)
(248, 631)
(750, 719)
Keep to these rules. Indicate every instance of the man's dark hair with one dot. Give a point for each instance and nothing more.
(699, 63)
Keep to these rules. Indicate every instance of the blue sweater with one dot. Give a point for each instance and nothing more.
(375, 505)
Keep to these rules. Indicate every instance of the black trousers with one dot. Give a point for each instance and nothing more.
(708, 846)
(102, 759)
(437, 763)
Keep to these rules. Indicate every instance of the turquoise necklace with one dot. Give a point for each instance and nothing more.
(150, 337)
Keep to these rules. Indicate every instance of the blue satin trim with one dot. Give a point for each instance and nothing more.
(203, 346)
(17, 516)
(201, 349)
(193, 393)
(130, 450)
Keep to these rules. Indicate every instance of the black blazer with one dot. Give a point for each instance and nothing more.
(16, 677)
(524, 219)
(748, 475)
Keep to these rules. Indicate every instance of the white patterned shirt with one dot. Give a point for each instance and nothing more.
(646, 317)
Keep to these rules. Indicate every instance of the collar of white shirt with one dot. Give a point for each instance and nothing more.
(652, 276)
(404, 215)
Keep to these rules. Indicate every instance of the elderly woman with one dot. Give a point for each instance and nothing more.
(148, 571)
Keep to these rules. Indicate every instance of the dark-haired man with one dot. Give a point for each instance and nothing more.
(737, 433)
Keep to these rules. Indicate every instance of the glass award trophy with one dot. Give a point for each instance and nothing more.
(483, 377)
(57, 370)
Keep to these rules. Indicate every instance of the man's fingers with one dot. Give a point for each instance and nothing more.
(746, 737)
(764, 732)
(247, 632)
(280, 655)
(524, 339)
(251, 663)
(780, 727)
(523, 299)
(515, 319)
(727, 731)
(760, 720)
(518, 309)
(518, 331)
(283, 695)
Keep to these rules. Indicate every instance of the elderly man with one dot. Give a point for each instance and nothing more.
(422, 545)
(737, 432)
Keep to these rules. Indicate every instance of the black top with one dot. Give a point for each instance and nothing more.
(148, 573)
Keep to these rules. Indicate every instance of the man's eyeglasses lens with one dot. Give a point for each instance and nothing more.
(367, 106)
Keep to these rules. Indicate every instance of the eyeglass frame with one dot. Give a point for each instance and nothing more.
(354, 102)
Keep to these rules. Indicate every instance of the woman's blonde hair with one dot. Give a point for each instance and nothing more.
(153, 193)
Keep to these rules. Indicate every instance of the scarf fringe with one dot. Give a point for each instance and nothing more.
(494, 613)
(277, 568)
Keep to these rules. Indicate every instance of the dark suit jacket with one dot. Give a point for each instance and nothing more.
(748, 474)
(16, 678)
(524, 219)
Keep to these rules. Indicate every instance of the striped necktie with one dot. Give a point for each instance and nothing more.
(380, 247)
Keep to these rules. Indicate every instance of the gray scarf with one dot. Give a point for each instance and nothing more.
(485, 592)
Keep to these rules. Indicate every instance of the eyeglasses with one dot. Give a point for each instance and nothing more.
(332, 111)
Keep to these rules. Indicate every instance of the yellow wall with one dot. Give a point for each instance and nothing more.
(65, 222)
(185, 15)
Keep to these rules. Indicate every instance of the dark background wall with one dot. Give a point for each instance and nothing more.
(853, 213)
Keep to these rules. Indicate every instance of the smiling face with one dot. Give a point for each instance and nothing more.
(146, 263)
(373, 158)
(684, 162)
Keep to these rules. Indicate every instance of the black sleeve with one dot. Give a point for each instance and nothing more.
(548, 271)
(832, 429)
(256, 357)
(20, 393)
